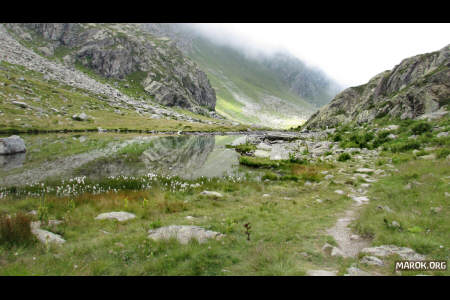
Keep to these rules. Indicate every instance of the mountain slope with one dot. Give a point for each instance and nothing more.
(45, 85)
(418, 86)
(124, 52)
(277, 91)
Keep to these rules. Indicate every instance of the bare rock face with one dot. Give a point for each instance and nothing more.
(183, 233)
(11, 145)
(126, 52)
(418, 86)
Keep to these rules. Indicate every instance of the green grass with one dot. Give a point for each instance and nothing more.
(288, 223)
(280, 230)
(69, 101)
(243, 148)
(422, 229)
(246, 77)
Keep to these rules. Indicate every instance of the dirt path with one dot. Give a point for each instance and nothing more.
(349, 243)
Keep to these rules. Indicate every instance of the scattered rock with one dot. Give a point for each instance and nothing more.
(337, 252)
(264, 146)
(360, 199)
(353, 271)
(365, 170)
(118, 215)
(386, 250)
(372, 260)
(262, 153)
(45, 236)
(321, 273)
(183, 233)
(391, 127)
(328, 177)
(340, 192)
(442, 134)
(436, 209)
(429, 156)
(80, 117)
(211, 194)
(327, 248)
(355, 237)
(46, 51)
(386, 208)
(395, 224)
(20, 104)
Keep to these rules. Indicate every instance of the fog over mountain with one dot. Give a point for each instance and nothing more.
(255, 82)
(348, 53)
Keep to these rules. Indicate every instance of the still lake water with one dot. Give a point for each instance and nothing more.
(100, 155)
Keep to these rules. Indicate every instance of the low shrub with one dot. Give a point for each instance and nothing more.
(421, 127)
(403, 146)
(344, 157)
(443, 153)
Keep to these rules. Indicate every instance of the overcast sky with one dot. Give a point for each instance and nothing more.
(349, 53)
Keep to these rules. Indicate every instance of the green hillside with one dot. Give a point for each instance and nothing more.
(247, 91)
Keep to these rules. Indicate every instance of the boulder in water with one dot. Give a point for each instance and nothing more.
(11, 145)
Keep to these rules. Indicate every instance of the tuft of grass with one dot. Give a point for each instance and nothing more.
(243, 148)
(257, 162)
(16, 230)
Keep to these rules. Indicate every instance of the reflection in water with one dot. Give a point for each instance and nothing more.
(178, 155)
(12, 161)
(185, 156)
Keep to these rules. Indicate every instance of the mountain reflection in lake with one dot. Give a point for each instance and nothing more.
(186, 156)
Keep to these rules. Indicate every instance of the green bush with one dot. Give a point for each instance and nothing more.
(337, 138)
(403, 146)
(421, 127)
(443, 153)
(344, 157)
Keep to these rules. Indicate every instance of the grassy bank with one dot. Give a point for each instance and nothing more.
(51, 105)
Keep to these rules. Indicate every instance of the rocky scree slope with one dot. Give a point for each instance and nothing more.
(418, 87)
(124, 52)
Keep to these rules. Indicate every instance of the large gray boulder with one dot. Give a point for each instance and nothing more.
(80, 117)
(183, 233)
(118, 215)
(11, 145)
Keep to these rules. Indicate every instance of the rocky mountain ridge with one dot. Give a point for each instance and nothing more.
(124, 52)
(418, 87)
